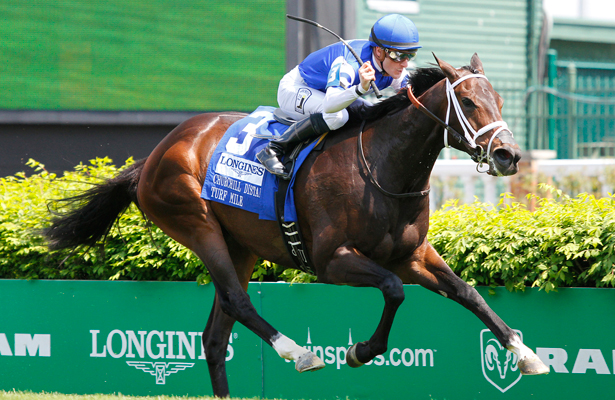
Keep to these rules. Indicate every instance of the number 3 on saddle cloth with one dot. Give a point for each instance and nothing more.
(236, 178)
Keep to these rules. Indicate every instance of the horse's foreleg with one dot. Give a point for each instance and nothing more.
(350, 267)
(431, 272)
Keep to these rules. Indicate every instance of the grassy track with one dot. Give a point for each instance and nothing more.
(58, 396)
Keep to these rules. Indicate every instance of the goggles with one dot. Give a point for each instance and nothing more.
(400, 56)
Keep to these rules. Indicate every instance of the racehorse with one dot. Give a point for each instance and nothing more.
(361, 201)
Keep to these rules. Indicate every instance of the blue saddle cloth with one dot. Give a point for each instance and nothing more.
(236, 178)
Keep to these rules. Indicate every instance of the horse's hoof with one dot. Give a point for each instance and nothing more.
(532, 366)
(351, 357)
(309, 362)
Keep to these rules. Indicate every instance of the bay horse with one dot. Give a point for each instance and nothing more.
(362, 206)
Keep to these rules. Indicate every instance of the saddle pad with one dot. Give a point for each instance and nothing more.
(236, 178)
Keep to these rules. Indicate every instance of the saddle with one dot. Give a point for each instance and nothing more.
(282, 117)
(235, 178)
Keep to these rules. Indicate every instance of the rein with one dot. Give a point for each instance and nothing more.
(480, 156)
(373, 179)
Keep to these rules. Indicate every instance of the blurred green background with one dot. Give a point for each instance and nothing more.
(141, 55)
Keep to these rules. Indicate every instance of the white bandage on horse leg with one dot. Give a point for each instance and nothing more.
(287, 348)
(521, 351)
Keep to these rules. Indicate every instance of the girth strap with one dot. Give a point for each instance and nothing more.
(291, 234)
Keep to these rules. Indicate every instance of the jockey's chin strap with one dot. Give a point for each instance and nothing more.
(470, 135)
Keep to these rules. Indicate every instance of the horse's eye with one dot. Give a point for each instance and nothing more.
(468, 103)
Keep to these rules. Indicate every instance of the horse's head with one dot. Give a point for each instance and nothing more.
(476, 107)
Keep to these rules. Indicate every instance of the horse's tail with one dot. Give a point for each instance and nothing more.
(102, 205)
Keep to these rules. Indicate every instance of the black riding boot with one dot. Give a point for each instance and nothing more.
(300, 131)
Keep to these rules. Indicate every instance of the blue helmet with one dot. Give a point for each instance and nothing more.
(395, 31)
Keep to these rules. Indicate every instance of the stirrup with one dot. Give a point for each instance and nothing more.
(269, 159)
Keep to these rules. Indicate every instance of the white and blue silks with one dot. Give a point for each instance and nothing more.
(236, 178)
(336, 66)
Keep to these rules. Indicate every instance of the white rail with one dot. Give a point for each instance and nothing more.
(458, 179)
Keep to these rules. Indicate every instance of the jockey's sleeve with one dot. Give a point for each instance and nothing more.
(340, 91)
(337, 98)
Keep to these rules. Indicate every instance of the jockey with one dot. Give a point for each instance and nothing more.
(329, 80)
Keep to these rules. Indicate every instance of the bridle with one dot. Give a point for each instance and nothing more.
(480, 156)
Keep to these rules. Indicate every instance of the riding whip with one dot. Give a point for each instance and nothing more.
(316, 24)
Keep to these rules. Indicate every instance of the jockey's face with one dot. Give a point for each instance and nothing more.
(394, 69)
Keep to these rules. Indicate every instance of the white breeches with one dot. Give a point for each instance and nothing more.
(299, 100)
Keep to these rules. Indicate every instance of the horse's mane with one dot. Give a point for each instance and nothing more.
(421, 80)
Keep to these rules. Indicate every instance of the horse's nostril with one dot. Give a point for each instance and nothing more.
(503, 157)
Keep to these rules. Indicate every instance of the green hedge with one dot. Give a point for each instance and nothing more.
(566, 242)
(133, 250)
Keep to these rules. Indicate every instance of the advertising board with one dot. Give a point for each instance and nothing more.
(144, 338)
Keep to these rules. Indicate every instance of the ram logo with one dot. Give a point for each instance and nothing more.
(499, 365)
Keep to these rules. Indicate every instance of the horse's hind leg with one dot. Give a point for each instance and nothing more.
(169, 194)
(219, 325)
(235, 302)
(430, 271)
(215, 339)
(202, 233)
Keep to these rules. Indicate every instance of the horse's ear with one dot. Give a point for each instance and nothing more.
(477, 64)
(448, 69)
